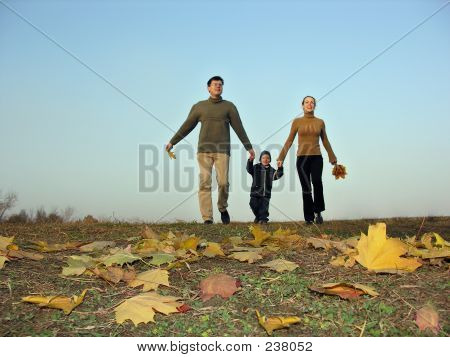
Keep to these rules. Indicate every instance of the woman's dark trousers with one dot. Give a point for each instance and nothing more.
(309, 170)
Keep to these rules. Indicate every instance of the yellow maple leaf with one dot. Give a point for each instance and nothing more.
(259, 236)
(65, 303)
(5, 243)
(142, 307)
(151, 279)
(378, 253)
(280, 265)
(246, 256)
(45, 247)
(3, 259)
(213, 249)
(276, 322)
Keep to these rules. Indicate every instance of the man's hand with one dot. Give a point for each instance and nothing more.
(169, 146)
(279, 163)
(334, 163)
(252, 154)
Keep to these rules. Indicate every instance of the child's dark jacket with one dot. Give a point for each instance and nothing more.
(262, 178)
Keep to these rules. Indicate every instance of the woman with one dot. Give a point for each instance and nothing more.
(309, 159)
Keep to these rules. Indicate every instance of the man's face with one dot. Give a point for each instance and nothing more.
(215, 89)
(308, 105)
(265, 160)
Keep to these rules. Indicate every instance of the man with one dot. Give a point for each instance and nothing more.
(215, 115)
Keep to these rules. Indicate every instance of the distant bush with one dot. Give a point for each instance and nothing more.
(41, 216)
(21, 217)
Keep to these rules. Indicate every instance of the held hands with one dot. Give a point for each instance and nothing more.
(169, 146)
(279, 163)
(252, 154)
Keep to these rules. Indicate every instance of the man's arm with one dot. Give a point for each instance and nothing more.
(189, 125)
(236, 124)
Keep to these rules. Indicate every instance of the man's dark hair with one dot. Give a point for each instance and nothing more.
(309, 96)
(215, 78)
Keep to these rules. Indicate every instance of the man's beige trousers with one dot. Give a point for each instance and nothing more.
(206, 161)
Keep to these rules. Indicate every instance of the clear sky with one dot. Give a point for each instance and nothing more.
(70, 138)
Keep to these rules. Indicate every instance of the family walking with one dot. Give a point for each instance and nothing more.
(216, 115)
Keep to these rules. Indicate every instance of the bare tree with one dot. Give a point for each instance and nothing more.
(68, 213)
(7, 202)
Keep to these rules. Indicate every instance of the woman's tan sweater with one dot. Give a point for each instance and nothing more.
(309, 129)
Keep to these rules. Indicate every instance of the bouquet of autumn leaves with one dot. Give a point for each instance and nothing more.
(339, 171)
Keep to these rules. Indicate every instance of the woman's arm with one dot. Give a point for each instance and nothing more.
(323, 135)
(289, 141)
(278, 173)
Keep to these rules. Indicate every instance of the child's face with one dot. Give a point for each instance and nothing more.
(265, 160)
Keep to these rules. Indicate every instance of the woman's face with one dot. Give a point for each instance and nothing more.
(308, 105)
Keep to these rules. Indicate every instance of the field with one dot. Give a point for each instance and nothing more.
(392, 313)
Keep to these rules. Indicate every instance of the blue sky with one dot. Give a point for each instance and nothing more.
(69, 138)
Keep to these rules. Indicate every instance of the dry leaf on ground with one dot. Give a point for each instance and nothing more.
(77, 265)
(213, 249)
(246, 256)
(3, 259)
(142, 307)
(276, 322)
(280, 265)
(218, 284)
(65, 303)
(379, 254)
(344, 290)
(98, 245)
(151, 279)
(259, 236)
(428, 318)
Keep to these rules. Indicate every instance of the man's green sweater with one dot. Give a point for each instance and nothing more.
(215, 116)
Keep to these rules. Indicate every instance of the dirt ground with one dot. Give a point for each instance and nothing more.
(392, 313)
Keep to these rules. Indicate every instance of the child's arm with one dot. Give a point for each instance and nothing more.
(250, 169)
(278, 174)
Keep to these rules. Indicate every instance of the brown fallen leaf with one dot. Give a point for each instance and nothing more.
(217, 284)
(344, 290)
(65, 303)
(428, 318)
(114, 274)
(20, 254)
(276, 322)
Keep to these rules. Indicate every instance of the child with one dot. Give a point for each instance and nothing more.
(263, 175)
